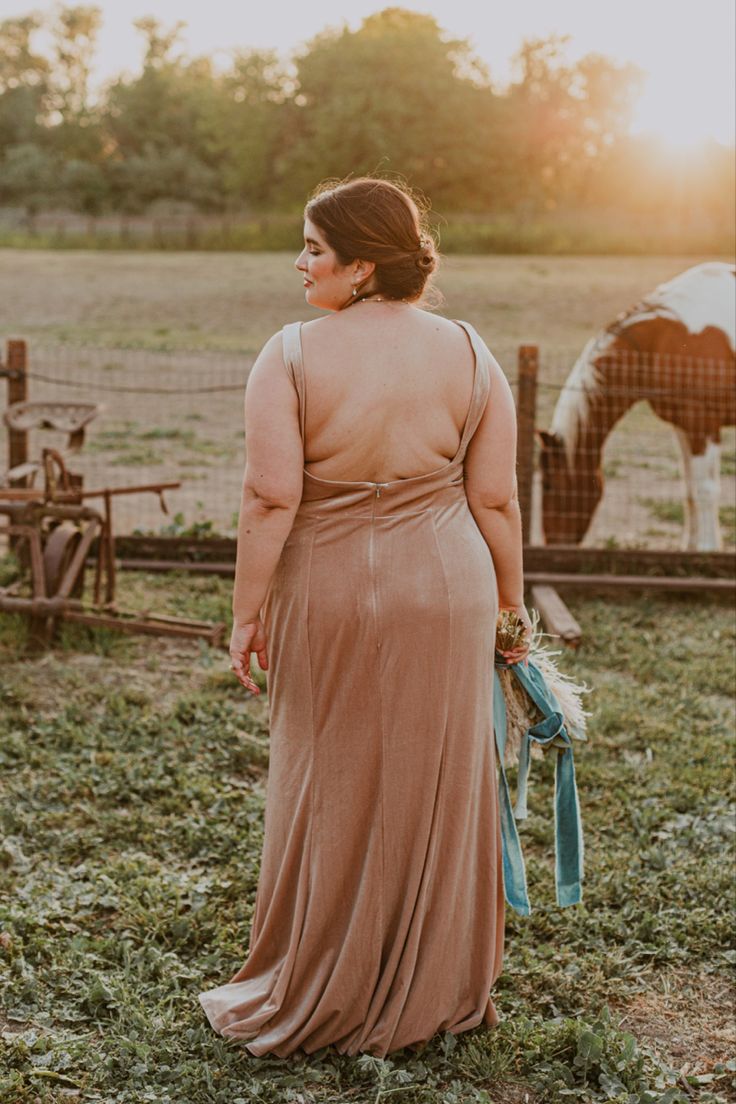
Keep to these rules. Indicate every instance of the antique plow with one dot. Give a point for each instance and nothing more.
(53, 531)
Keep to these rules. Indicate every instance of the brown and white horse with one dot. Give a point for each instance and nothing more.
(674, 348)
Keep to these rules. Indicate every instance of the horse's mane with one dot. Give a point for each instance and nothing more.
(571, 409)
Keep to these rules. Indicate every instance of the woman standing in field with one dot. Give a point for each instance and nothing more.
(379, 538)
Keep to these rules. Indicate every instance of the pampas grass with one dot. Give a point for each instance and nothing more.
(521, 711)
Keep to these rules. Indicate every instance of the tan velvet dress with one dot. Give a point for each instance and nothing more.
(379, 914)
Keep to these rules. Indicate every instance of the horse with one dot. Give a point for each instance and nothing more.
(676, 349)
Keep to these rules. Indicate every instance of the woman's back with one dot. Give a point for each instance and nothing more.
(379, 916)
(388, 392)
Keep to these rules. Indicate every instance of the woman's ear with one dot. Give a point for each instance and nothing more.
(364, 269)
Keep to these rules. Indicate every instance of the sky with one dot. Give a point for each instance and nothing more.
(687, 47)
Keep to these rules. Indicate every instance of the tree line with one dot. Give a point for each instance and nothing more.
(396, 95)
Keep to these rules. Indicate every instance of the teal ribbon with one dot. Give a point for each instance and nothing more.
(549, 732)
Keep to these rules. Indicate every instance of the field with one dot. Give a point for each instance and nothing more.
(133, 780)
(133, 771)
(236, 301)
(180, 322)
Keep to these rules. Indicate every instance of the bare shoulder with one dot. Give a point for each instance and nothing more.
(319, 327)
(458, 328)
(421, 320)
(494, 366)
(270, 360)
(271, 349)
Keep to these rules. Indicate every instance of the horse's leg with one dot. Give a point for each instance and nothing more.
(706, 477)
(689, 532)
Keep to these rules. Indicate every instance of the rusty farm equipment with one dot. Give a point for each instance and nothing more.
(54, 531)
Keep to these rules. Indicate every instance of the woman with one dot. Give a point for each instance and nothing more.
(379, 537)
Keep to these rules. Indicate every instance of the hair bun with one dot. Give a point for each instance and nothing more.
(424, 258)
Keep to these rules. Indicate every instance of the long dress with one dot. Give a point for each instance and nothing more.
(379, 912)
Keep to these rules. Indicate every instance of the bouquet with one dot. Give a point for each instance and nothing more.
(521, 711)
(535, 708)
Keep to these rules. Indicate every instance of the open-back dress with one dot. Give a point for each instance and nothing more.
(379, 913)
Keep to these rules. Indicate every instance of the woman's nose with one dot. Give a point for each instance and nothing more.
(299, 263)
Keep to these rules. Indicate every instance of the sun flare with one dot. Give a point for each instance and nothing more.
(680, 111)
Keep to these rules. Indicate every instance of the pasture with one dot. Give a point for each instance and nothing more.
(234, 302)
(113, 326)
(134, 775)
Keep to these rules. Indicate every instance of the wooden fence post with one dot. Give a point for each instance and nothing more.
(14, 370)
(526, 409)
(16, 365)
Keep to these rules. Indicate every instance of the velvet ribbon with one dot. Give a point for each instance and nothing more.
(549, 732)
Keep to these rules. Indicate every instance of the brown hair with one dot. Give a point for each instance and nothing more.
(374, 219)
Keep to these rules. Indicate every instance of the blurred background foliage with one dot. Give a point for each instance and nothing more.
(397, 95)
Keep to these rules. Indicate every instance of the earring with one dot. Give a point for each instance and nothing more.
(355, 290)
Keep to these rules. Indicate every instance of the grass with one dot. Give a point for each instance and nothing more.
(134, 769)
(134, 777)
(231, 301)
(568, 232)
(668, 510)
(123, 439)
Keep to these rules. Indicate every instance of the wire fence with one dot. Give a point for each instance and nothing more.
(173, 230)
(163, 417)
(639, 451)
(607, 470)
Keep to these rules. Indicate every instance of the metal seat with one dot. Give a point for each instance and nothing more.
(71, 418)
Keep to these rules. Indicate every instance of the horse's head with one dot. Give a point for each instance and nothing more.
(569, 498)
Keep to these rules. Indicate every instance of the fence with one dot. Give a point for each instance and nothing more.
(626, 461)
(590, 231)
(163, 231)
(179, 416)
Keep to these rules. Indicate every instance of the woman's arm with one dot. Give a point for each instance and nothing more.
(272, 481)
(491, 488)
(501, 529)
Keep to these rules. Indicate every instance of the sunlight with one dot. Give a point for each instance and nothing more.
(679, 108)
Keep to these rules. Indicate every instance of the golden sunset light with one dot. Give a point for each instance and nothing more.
(685, 112)
(367, 551)
(685, 50)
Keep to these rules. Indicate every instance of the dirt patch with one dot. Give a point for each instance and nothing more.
(13, 1027)
(687, 1017)
(506, 1092)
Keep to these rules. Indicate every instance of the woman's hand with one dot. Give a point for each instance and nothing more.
(521, 651)
(246, 638)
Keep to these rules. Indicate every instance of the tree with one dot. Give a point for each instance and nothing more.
(161, 108)
(397, 94)
(564, 117)
(156, 174)
(83, 186)
(76, 132)
(75, 40)
(28, 175)
(243, 124)
(24, 83)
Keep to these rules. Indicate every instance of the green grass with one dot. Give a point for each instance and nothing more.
(132, 813)
(124, 440)
(570, 232)
(728, 462)
(669, 510)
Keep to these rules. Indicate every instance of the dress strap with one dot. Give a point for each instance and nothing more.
(481, 384)
(292, 351)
